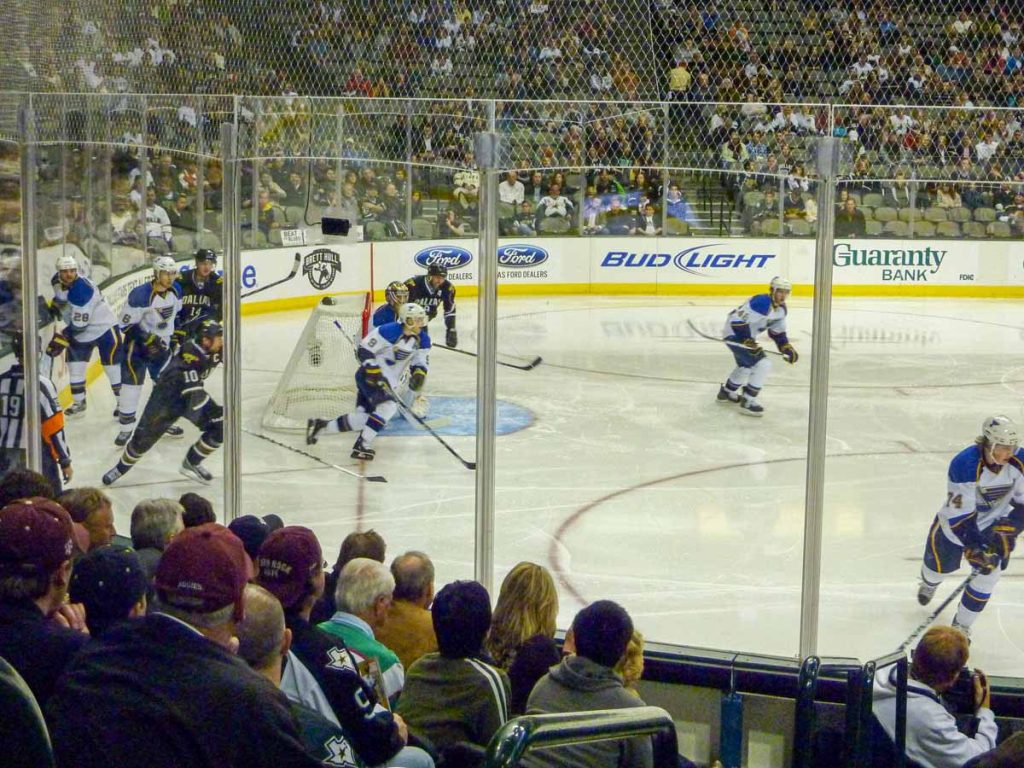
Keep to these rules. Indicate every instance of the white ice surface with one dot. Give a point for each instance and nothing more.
(633, 484)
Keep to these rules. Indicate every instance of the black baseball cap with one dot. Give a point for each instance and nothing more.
(108, 581)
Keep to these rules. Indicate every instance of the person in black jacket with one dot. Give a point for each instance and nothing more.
(202, 295)
(168, 690)
(319, 672)
(431, 291)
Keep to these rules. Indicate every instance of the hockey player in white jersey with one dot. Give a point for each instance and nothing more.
(147, 324)
(763, 312)
(981, 518)
(387, 354)
(89, 323)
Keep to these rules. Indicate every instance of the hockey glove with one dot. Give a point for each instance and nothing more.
(751, 346)
(789, 353)
(418, 378)
(57, 345)
(56, 309)
(373, 376)
(1004, 538)
(155, 346)
(984, 559)
(967, 531)
(451, 338)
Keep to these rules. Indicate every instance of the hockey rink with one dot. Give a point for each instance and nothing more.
(621, 474)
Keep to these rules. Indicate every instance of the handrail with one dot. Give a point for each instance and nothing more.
(518, 735)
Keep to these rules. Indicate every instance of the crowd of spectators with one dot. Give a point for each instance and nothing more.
(214, 630)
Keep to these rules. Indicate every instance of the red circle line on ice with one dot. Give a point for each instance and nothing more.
(558, 541)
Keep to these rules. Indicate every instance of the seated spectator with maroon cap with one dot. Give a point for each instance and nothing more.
(168, 689)
(110, 582)
(319, 672)
(37, 540)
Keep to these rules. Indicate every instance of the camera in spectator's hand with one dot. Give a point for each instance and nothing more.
(959, 698)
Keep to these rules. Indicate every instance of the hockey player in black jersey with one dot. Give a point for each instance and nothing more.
(431, 291)
(202, 295)
(179, 392)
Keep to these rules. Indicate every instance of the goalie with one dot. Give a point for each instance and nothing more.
(389, 355)
(980, 519)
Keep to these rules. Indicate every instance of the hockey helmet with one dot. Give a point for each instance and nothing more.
(18, 345)
(66, 262)
(205, 254)
(781, 284)
(412, 313)
(209, 329)
(437, 269)
(164, 264)
(1000, 430)
(396, 293)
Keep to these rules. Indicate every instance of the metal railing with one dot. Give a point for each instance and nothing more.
(532, 731)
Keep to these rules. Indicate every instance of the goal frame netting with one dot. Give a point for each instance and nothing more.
(318, 380)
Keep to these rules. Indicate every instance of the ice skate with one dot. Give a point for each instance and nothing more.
(111, 477)
(750, 407)
(963, 628)
(76, 409)
(313, 428)
(195, 471)
(420, 406)
(726, 397)
(925, 592)
(361, 451)
(123, 437)
(174, 431)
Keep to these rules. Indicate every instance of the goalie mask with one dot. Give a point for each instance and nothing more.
(396, 294)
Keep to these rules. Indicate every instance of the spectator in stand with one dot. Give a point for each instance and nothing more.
(252, 531)
(947, 196)
(794, 206)
(110, 584)
(295, 191)
(40, 632)
(677, 207)
(599, 637)
(511, 195)
(177, 665)
(534, 188)
(271, 216)
(371, 208)
(734, 151)
(91, 508)
(896, 194)
(679, 81)
(25, 484)
(450, 226)
(554, 205)
(456, 695)
(357, 544)
(181, 215)
(363, 597)
(617, 220)
(631, 666)
(320, 673)
(197, 510)
(158, 223)
(409, 629)
(850, 221)
(277, 192)
(154, 523)
(647, 222)
(521, 638)
(932, 737)
(393, 217)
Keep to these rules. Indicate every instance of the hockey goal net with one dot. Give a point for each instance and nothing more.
(318, 380)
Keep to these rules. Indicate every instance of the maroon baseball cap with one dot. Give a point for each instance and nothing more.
(203, 569)
(288, 559)
(37, 534)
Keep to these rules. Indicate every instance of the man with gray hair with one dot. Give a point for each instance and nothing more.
(363, 597)
(409, 630)
(154, 523)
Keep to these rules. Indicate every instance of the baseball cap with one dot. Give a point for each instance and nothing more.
(287, 560)
(37, 534)
(108, 581)
(203, 569)
(253, 531)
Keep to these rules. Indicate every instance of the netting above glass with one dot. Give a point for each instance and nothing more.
(917, 52)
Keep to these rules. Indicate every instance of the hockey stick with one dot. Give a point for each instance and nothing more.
(293, 273)
(370, 478)
(528, 367)
(708, 336)
(934, 614)
(407, 412)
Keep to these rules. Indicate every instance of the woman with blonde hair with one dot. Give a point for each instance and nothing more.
(631, 666)
(521, 638)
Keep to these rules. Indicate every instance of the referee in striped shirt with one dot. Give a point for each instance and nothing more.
(56, 454)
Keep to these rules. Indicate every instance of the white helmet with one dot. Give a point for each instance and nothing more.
(164, 264)
(66, 262)
(412, 313)
(999, 430)
(781, 284)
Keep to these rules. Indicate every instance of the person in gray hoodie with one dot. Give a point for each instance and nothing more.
(587, 681)
(933, 740)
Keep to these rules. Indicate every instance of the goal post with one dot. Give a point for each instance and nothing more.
(318, 380)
